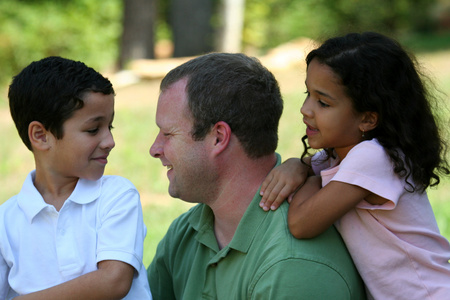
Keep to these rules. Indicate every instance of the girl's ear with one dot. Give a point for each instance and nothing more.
(38, 135)
(369, 121)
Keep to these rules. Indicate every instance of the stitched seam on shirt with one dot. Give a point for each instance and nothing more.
(261, 274)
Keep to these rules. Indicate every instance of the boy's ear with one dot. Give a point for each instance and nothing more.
(369, 121)
(38, 135)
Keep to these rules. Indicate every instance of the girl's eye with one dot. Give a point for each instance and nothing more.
(322, 104)
(307, 94)
(110, 127)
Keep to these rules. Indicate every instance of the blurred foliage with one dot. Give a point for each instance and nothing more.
(90, 30)
(426, 42)
(77, 29)
(271, 22)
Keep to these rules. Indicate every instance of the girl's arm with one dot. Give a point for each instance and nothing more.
(112, 280)
(312, 212)
(283, 181)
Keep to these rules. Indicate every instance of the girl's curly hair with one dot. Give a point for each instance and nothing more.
(380, 76)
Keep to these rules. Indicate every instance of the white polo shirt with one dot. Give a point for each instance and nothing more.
(41, 247)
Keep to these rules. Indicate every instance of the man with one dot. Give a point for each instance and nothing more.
(218, 116)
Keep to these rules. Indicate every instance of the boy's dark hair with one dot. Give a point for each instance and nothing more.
(50, 91)
(380, 76)
(236, 89)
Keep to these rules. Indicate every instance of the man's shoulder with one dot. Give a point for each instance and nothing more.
(326, 249)
(324, 257)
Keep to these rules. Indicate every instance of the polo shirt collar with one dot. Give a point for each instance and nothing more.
(253, 217)
(86, 191)
(202, 220)
(247, 228)
(31, 202)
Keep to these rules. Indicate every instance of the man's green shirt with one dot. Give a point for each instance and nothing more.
(263, 260)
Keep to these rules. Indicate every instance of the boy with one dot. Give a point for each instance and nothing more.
(70, 233)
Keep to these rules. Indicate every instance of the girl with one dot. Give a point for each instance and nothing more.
(369, 111)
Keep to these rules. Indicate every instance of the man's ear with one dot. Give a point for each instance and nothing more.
(369, 121)
(38, 135)
(221, 136)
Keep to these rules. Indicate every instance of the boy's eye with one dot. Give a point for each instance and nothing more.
(110, 127)
(92, 131)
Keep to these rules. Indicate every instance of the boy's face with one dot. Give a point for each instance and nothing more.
(87, 140)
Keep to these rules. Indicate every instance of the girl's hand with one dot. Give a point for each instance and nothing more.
(282, 182)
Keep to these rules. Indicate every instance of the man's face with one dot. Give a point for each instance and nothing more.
(185, 158)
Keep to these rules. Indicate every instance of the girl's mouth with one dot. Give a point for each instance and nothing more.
(311, 130)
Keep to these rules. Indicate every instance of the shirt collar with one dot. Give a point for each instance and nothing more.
(31, 201)
(202, 220)
(254, 216)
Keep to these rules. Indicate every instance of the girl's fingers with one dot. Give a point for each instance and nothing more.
(270, 194)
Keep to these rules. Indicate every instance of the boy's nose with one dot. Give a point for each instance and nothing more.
(108, 142)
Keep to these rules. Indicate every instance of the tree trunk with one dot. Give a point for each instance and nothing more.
(192, 30)
(137, 39)
(232, 15)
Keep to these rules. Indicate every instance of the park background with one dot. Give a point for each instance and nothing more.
(135, 42)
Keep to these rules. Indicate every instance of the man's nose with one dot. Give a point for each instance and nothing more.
(156, 148)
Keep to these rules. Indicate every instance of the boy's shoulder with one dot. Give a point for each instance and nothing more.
(13, 201)
(113, 185)
(8, 205)
(116, 180)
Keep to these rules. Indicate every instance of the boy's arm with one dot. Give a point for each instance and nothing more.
(112, 280)
(311, 213)
(4, 270)
(283, 181)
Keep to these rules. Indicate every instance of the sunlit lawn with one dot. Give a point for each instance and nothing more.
(135, 131)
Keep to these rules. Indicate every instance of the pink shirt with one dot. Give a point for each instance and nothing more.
(396, 246)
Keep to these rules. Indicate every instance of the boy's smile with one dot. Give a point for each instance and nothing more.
(87, 140)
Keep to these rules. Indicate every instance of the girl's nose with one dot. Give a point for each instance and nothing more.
(305, 110)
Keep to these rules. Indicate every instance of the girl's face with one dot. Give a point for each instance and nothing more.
(328, 113)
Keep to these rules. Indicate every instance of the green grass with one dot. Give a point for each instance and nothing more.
(135, 131)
